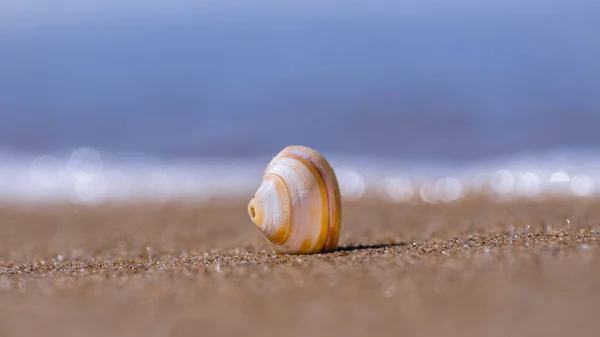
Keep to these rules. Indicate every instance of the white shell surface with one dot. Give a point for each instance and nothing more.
(298, 206)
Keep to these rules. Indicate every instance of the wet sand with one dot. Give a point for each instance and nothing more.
(472, 268)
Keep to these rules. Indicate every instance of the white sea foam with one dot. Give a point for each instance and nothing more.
(88, 176)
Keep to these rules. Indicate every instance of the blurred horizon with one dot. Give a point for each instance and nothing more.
(425, 85)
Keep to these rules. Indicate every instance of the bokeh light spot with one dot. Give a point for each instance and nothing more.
(503, 182)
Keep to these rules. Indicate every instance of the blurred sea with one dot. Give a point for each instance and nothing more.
(408, 99)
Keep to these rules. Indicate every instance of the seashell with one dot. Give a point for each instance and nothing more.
(298, 205)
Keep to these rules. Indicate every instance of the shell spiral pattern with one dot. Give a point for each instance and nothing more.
(298, 204)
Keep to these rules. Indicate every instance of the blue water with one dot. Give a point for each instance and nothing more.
(457, 80)
(446, 81)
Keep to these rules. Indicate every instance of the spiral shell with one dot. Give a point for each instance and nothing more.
(298, 205)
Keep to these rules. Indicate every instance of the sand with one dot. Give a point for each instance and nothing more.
(471, 268)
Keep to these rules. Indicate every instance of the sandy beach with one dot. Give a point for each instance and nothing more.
(471, 268)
